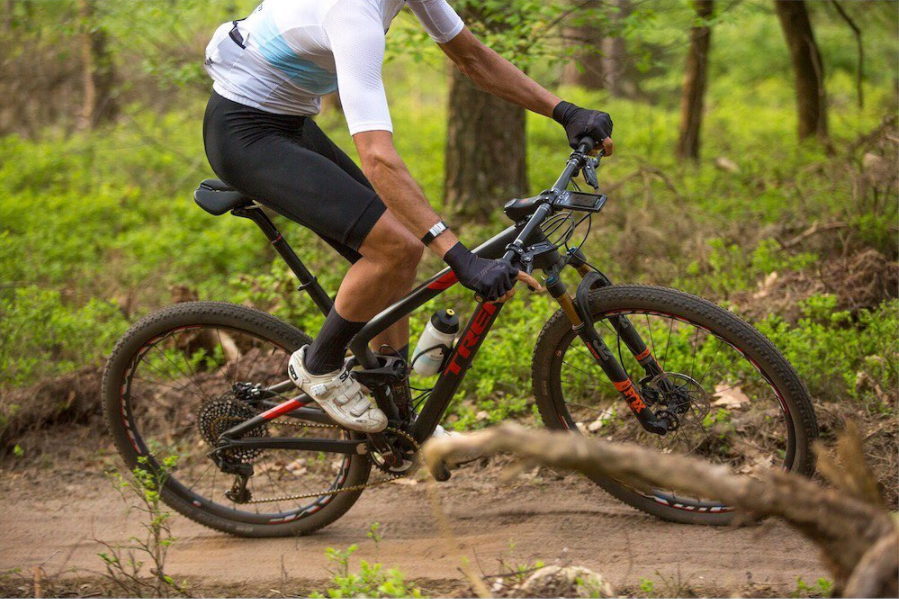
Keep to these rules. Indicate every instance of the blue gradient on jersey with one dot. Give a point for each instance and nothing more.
(303, 73)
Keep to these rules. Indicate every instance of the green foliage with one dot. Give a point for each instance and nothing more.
(125, 562)
(729, 268)
(371, 579)
(42, 336)
(647, 587)
(822, 588)
(832, 348)
(97, 228)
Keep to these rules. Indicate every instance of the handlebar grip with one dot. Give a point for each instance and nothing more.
(586, 145)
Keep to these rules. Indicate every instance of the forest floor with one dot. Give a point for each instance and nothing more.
(54, 516)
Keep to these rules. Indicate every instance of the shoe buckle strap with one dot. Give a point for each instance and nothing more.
(357, 412)
(320, 388)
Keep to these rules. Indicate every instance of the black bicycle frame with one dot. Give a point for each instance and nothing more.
(508, 244)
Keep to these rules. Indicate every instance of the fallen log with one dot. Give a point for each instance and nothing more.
(856, 535)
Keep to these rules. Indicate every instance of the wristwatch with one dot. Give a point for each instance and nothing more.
(433, 232)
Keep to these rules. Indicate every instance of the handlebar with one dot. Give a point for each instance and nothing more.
(587, 144)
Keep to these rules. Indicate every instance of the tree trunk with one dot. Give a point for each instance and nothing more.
(585, 67)
(808, 69)
(485, 150)
(695, 83)
(98, 71)
(615, 61)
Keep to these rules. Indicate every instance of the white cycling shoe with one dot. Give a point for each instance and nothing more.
(338, 394)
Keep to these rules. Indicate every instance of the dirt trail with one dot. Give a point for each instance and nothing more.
(567, 521)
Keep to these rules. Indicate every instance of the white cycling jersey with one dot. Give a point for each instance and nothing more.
(289, 53)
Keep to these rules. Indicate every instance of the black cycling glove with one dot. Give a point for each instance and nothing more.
(490, 279)
(581, 122)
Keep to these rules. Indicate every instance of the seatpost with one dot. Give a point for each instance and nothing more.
(308, 282)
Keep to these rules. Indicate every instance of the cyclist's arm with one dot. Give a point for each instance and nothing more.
(388, 173)
(496, 75)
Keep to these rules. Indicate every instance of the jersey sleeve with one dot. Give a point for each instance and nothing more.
(438, 18)
(356, 35)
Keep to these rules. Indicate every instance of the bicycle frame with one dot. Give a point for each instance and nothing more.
(508, 244)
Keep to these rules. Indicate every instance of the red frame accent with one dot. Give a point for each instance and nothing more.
(444, 282)
(283, 408)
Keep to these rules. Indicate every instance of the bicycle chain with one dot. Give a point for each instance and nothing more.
(332, 492)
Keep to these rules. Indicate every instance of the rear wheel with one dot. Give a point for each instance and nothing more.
(174, 383)
(736, 399)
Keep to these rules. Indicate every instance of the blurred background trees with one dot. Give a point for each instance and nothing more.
(711, 188)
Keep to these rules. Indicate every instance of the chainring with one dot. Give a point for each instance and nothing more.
(407, 446)
(219, 414)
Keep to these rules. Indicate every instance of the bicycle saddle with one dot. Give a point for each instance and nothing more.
(215, 197)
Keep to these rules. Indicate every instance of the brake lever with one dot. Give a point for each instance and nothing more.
(528, 264)
(590, 173)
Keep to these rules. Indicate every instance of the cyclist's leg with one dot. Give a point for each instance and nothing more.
(397, 336)
(291, 166)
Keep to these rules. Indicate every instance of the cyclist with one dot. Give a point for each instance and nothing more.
(270, 71)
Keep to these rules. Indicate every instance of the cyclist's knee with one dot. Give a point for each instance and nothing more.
(403, 255)
(393, 247)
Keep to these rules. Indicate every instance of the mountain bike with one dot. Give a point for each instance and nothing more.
(199, 389)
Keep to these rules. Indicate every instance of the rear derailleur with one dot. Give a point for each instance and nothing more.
(242, 471)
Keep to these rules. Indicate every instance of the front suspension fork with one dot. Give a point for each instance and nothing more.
(578, 313)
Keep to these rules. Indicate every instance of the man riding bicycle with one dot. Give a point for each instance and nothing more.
(270, 71)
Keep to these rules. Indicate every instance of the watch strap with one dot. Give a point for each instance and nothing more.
(433, 232)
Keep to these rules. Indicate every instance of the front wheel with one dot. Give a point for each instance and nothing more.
(736, 399)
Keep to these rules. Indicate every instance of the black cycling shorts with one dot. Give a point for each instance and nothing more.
(289, 165)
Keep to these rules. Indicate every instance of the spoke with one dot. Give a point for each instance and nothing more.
(578, 369)
(668, 344)
(189, 378)
(218, 334)
(652, 342)
(253, 364)
(181, 388)
(605, 322)
(714, 359)
(193, 375)
(201, 475)
(693, 360)
(731, 361)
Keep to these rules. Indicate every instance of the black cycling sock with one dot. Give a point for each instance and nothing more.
(329, 348)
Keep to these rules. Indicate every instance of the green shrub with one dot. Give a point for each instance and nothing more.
(371, 580)
(43, 336)
(830, 348)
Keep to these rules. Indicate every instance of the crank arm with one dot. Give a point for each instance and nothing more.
(390, 454)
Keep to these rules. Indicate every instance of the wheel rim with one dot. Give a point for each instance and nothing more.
(170, 379)
(747, 425)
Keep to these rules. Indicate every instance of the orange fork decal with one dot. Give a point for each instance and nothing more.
(631, 396)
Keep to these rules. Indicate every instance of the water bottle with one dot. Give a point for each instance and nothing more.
(435, 342)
